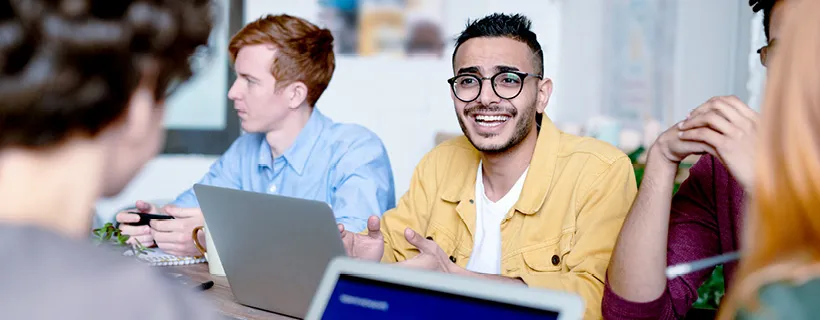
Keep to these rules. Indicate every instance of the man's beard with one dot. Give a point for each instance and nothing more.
(523, 126)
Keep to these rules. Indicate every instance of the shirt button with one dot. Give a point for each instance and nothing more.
(471, 201)
(453, 259)
(272, 188)
(556, 260)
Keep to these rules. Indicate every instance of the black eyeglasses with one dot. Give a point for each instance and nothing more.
(764, 52)
(506, 85)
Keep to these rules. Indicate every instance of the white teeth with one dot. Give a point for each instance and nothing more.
(491, 118)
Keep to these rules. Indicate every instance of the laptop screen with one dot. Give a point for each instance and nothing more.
(356, 297)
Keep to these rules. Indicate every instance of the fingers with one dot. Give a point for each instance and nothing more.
(165, 208)
(685, 148)
(705, 135)
(741, 107)
(145, 239)
(374, 227)
(720, 107)
(711, 120)
(167, 225)
(146, 207)
(731, 108)
(177, 212)
(134, 230)
(125, 217)
(176, 238)
(424, 245)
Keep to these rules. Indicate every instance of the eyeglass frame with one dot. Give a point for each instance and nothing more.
(763, 52)
(522, 75)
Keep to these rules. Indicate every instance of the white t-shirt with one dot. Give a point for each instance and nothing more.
(486, 257)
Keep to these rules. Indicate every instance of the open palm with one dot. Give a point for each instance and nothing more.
(366, 247)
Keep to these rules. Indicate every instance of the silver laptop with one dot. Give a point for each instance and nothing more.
(355, 289)
(274, 249)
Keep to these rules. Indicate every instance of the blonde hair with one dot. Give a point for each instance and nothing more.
(782, 227)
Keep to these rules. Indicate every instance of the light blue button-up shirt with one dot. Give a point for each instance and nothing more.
(344, 165)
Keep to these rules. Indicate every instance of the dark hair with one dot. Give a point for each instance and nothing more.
(766, 6)
(70, 67)
(516, 27)
(304, 52)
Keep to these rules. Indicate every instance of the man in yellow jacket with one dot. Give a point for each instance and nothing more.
(515, 199)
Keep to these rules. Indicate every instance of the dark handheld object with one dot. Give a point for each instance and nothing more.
(145, 218)
(204, 286)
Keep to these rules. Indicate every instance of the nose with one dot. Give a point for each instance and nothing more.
(233, 93)
(487, 95)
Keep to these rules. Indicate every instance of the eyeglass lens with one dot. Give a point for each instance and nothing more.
(506, 85)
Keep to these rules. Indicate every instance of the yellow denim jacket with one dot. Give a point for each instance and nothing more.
(560, 233)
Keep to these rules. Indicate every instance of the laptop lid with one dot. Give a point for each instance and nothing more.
(367, 290)
(274, 249)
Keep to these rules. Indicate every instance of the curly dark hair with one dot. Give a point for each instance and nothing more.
(70, 66)
(513, 26)
(766, 6)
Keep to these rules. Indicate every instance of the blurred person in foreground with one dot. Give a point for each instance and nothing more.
(283, 65)
(779, 273)
(82, 85)
(705, 217)
(515, 199)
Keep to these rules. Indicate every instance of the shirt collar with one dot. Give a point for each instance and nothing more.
(539, 174)
(297, 155)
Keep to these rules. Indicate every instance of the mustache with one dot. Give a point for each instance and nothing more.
(489, 109)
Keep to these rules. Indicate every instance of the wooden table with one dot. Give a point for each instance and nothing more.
(220, 294)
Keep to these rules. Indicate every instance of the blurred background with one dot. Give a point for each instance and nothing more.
(623, 71)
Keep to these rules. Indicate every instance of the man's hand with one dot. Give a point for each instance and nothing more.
(365, 247)
(729, 126)
(141, 233)
(174, 236)
(430, 257)
(672, 149)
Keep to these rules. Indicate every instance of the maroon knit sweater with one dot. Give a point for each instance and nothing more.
(705, 221)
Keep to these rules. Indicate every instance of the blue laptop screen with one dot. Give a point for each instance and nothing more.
(355, 297)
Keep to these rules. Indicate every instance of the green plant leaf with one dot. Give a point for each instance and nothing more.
(712, 291)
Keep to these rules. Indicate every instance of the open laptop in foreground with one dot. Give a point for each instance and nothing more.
(355, 289)
(274, 249)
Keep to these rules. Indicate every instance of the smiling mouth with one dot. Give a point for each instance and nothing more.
(490, 121)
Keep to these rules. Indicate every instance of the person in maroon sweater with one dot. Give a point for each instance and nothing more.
(703, 219)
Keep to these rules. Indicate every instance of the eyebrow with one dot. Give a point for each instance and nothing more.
(247, 76)
(468, 70)
(506, 68)
(501, 68)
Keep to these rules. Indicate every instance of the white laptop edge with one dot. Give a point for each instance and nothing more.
(570, 306)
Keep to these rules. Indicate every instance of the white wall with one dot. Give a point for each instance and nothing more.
(578, 88)
(756, 71)
(709, 52)
(711, 44)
